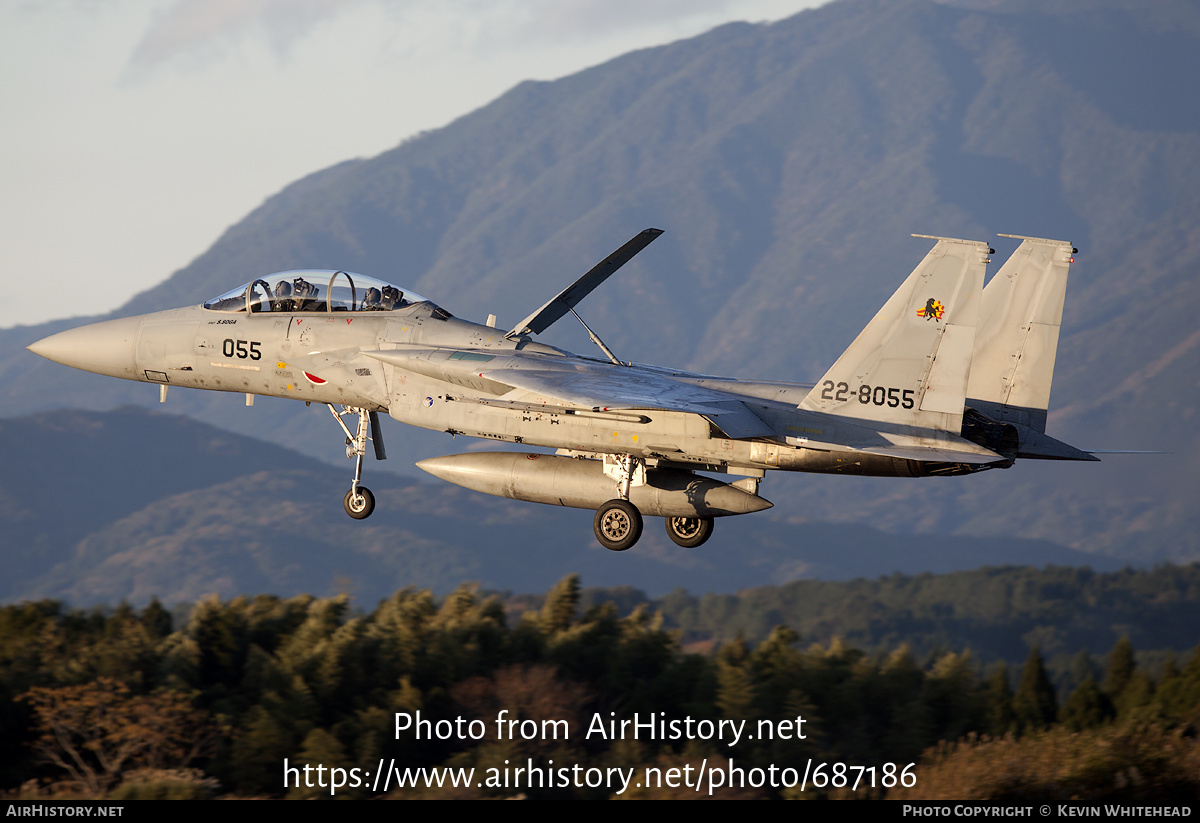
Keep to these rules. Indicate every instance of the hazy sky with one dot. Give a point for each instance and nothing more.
(136, 131)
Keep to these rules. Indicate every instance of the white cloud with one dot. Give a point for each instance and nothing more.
(197, 31)
(203, 27)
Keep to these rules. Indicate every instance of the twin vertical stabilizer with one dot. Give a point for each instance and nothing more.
(910, 365)
(1013, 364)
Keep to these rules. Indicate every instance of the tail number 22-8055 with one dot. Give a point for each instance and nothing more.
(877, 395)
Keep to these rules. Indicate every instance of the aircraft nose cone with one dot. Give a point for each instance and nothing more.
(103, 348)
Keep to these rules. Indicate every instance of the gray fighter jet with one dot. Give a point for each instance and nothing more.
(949, 378)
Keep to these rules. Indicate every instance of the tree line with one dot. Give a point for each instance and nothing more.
(127, 704)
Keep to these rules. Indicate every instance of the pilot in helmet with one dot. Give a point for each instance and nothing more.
(393, 298)
(283, 291)
(301, 291)
(371, 302)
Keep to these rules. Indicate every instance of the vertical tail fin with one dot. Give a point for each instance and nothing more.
(1013, 363)
(911, 363)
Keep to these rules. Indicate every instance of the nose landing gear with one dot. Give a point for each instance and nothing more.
(359, 502)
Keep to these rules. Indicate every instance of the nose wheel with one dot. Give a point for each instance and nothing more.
(359, 502)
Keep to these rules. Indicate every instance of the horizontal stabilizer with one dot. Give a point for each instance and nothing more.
(936, 454)
(1123, 451)
(1035, 445)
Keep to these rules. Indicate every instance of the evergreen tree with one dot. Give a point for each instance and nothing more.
(561, 606)
(735, 687)
(219, 632)
(1121, 667)
(1034, 704)
(122, 616)
(951, 702)
(156, 619)
(1087, 707)
(1179, 691)
(320, 749)
(1000, 719)
(256, 760)
(1138, 694)
(1082, 668)
(774, 668)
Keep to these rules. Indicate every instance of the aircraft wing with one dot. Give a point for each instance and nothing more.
(602, 391)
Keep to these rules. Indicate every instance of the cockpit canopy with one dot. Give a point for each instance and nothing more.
(315, 290)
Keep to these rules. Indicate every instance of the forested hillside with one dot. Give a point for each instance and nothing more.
(997, 613)
(220, 700)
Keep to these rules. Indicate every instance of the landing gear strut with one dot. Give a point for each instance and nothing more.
(359, 502)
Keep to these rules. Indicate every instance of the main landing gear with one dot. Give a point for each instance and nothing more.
(618, 523)
(689, 532)
(359, 502)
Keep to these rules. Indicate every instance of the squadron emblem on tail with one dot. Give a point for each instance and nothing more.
(933, 310)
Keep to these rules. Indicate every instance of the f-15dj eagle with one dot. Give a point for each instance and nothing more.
(948, 378)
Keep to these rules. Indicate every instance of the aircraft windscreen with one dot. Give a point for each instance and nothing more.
(315, 291)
